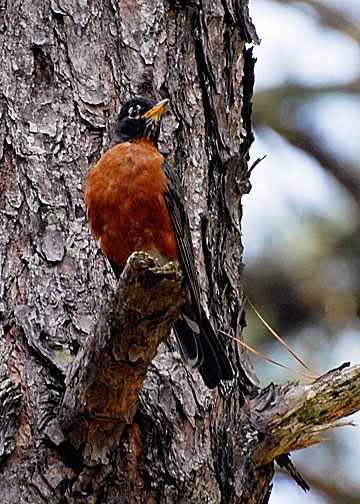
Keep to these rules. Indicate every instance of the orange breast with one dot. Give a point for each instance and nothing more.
(125, 203)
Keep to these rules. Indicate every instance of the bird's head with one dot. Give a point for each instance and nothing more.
(139, 117)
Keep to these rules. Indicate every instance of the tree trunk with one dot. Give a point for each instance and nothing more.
(69, 334)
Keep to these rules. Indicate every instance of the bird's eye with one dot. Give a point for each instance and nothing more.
(134, 112)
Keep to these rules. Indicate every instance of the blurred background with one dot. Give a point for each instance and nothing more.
(301, 220)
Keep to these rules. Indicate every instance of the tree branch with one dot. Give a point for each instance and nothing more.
(294, 415)
(104, 382)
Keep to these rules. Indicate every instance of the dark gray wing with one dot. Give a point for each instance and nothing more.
(199, 344)
(174, 200)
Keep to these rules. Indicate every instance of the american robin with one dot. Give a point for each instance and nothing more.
(135, 202)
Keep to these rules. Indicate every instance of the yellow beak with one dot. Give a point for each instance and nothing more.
(155, 112)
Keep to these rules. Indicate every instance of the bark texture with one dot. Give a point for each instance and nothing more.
(104, 382)
(71, 341)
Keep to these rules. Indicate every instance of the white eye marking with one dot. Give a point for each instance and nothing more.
(134, 112)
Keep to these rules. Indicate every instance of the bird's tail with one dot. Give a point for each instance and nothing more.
(202, 348)
(216, 365)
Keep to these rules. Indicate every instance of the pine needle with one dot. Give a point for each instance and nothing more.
(276, 336)
(274, 333)
(248, 347)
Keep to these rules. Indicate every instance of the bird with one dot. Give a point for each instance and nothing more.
(135, 201)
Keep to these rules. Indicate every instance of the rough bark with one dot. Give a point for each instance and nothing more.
(104, 382)
(66, 67)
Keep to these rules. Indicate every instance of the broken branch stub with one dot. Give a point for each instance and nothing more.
(293, 416)
(104, 381)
